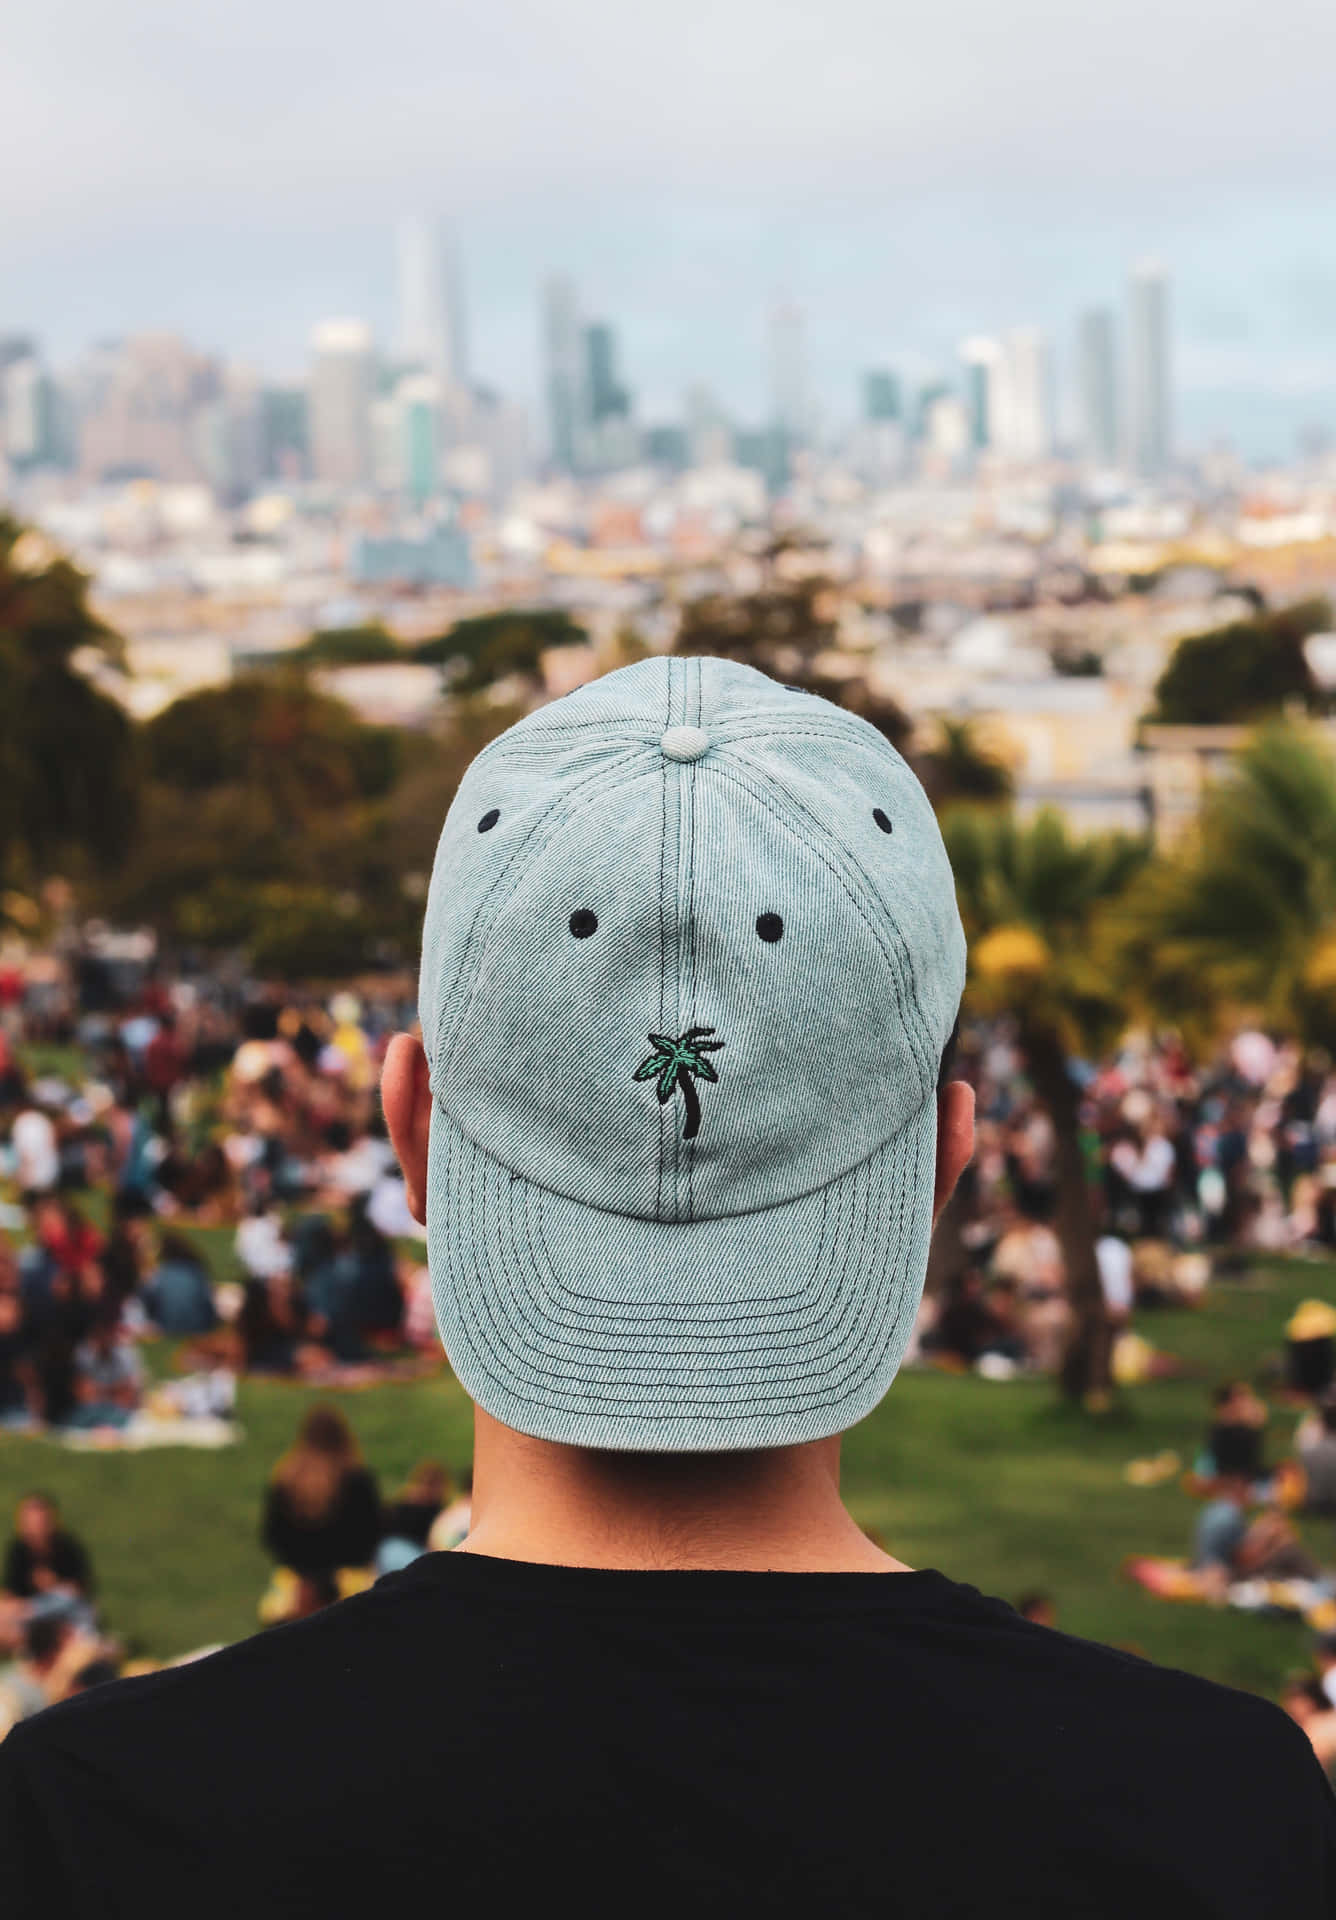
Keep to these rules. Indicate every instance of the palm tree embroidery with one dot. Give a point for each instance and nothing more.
(675, 1063)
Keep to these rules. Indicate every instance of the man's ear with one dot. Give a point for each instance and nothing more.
(955, 1139)
(405, 1094)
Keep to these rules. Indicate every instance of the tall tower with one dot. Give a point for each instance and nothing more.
(433, 334)
(1029, 383)
(1150, 434)
(1096, 388)
(985, 402)
(788, 373)
(562, 359)
(343, 379)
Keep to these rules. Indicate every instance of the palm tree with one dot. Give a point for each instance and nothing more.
(1240, 919)
(1034, 901)
(674, 1064)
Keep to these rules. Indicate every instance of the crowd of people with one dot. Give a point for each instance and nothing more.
(1188, 1168)
(193, 1107)
(136, 1110)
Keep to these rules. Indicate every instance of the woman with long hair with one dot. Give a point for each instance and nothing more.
(321, 1516)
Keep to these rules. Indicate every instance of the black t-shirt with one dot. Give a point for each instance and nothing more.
(486, 1737)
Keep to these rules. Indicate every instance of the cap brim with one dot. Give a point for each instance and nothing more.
(754, 1330)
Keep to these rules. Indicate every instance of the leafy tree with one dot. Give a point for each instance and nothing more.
(348, 647)
(959, 767)
(69, 772)
(1240, 919)
(784, 629)
(264, 826)
(1242, 671)
(1035, 903)
(275, 735)
(495, 646)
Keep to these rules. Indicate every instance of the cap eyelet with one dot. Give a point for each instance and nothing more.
(489, 820)
(583, 923)
(770, 927)
(882, 819)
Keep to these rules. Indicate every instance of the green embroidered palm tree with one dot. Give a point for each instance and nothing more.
(675, 1063)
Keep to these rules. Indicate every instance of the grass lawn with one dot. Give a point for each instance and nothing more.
(996, 1484)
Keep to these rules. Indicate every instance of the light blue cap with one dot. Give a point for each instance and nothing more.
(690, 961)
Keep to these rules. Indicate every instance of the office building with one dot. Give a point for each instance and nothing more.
(342, 388)
(881, 396)
(418, 402)
(605, 397)
(1028, 392)
(28, 410)
(1149, 428)
(1096, 388)
(141, 397)
(985, 404)
(561, 353)
(433, 332)
(790, 409)
(285, 433)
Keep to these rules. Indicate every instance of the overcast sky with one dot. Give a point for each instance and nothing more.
(907, 174)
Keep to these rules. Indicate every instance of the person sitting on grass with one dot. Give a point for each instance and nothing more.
(43, 1559)
(322, 1511)
(108, 1376)
(408, 1520)
(178, 1295)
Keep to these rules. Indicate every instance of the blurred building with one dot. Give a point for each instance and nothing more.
(433, 331)
(142, 402)
(790, 410)
(561, 348)
(881, 396)
(1150, 435)
(29, 412)
(342, 388)
(1027, 425)
(1096, 388)
(984, 364)
(439, 556)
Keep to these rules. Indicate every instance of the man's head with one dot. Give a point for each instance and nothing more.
(691, 962)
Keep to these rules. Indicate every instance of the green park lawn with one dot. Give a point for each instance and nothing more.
(996, 1484)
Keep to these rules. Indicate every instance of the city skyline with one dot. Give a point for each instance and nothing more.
(907, 179)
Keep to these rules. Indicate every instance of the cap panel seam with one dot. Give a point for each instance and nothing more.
(893, 960)
(842, 853)
(562, 807)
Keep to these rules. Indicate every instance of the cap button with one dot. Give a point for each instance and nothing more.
(685, 743)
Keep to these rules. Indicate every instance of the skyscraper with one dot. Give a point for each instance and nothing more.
(1149, 430)
(985, 404)
(881, 395)
(561, 353)
(1028, 431)
(1096, 388)
(342, 389)
(433, 334)
(788, 373)
(605, 397)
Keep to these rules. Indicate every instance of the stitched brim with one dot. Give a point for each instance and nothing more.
(756, 1330)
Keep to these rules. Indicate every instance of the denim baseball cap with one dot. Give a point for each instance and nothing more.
(690, 961)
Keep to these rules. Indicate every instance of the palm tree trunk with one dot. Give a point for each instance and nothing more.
(692, 1105)
(1086, 1367)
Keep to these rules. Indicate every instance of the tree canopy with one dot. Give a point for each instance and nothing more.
(68, 764)
(1242, 671)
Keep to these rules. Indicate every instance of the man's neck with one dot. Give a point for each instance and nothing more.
(773, 1511)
